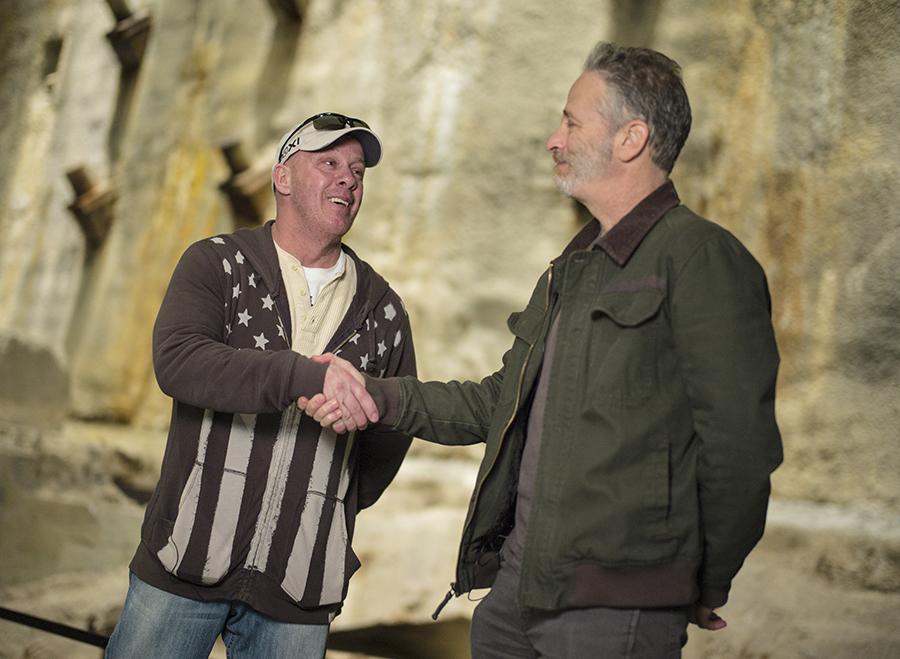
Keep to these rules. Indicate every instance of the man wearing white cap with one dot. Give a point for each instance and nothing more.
(248, 533)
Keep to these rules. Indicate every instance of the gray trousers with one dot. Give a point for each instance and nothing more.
(502, 630)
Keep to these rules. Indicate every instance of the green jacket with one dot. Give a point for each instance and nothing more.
(659, 434)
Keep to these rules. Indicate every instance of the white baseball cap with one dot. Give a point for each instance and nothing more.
(324, 129)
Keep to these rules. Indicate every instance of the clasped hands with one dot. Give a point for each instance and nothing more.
(344, 404)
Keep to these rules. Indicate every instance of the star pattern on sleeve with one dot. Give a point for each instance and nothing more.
(227, 266)
(364, 362)
(244, 318)
(390, 312)
(267, 302)
(236, 291)
(239, 257)
(218, 240)
(251, 279)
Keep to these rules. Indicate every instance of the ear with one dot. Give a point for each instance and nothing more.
(632, 140)
(281, 178)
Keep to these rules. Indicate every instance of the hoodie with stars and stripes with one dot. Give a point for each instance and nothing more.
(255, 502)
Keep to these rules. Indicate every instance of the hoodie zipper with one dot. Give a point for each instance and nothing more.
(353, 332)
(506, 427)
(267, 514)
(267, 511)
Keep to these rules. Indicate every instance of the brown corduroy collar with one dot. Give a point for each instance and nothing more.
(621, 241)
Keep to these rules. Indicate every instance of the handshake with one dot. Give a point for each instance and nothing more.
(344, 404)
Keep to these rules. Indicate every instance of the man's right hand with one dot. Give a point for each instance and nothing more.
(344, 389)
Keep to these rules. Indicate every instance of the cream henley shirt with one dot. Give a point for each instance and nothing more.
(315, 316)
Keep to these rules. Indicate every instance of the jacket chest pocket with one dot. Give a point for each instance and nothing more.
(628, 329)
(526, 325)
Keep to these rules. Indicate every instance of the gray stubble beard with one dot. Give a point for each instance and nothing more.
(583, 167)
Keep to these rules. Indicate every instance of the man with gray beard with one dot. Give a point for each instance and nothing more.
(630, 433)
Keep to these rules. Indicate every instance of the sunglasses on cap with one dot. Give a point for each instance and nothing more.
(333, 121)
(321, 121)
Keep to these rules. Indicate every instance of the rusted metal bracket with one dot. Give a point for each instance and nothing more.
(129, 36)
(248, 189)
(93, 206)
(289, 10)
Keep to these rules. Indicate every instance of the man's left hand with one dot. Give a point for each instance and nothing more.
(325, 411)
(706, 618)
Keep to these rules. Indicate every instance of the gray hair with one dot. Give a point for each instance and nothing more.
(647, 85)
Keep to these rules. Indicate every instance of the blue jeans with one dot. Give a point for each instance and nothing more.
(157, 624)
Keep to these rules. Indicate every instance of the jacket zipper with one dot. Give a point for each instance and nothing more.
(452, 591)
(518, 389)
(440, 607)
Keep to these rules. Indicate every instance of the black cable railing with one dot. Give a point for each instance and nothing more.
(57, 628)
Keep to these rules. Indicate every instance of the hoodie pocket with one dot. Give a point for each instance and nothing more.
(316, 573)
(178, 532)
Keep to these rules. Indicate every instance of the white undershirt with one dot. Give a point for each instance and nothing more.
(316, 278)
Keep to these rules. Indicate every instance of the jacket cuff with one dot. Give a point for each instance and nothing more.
(308, 378)
(386, 394)
(713, 598)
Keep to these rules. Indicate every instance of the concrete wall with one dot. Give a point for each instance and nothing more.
(794, 149)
